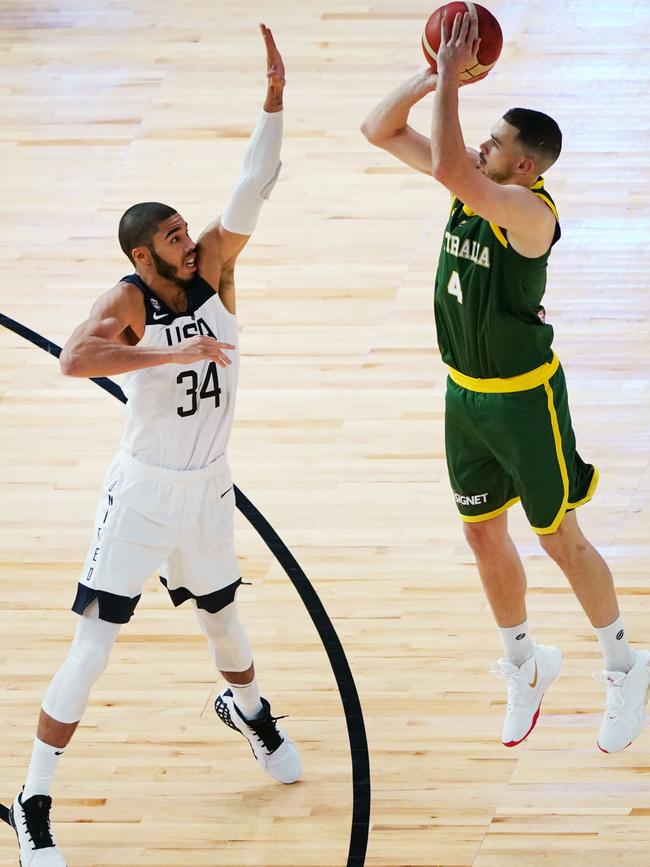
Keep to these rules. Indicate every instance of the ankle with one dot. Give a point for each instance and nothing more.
(517, 644)
(248, 700)
(42, 767)
(617, 653)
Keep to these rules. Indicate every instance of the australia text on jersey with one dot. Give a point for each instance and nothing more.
(469, 249)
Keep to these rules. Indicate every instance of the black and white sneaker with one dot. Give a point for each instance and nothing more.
(31, 822)
(273, 748)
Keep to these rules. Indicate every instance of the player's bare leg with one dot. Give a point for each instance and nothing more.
(500, 568)
(53, 732)
(528, 668)
(586, 570)
(627, 673)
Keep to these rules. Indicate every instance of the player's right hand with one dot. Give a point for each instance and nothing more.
(201, 348)
(458, 49)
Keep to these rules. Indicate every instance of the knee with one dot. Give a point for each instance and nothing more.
(564, 549)
(230, 646)
(67, 695)
(89, 661)
(221, 626)
(483, 537)
(91, 648)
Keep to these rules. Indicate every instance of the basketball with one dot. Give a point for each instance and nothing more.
(488, 29)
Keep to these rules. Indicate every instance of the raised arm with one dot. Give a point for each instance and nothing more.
(224, 239)
(512, 206)
(387, 126)
(106, 343)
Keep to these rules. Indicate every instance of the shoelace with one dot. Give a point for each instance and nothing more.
(37, 821)
(266, 732)
(615, 683)
(514, 679)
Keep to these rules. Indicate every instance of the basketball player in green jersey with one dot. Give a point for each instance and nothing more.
(508, 428)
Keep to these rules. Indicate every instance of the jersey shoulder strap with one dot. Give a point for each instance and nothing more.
(155, 310)
(198, 293)
(539, 190)
(501, 234)
(159, 313)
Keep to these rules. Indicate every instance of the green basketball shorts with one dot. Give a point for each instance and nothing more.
(503, 447)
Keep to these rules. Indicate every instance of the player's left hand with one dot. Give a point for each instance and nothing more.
(274, 63)
(458, 49)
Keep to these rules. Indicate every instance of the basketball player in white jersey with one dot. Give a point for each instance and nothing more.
(168, 501)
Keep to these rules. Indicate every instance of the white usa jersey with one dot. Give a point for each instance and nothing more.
(179, 416)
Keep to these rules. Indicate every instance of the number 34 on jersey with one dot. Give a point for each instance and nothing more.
(208, 388)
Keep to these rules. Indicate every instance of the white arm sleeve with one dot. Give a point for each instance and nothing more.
(261, 169)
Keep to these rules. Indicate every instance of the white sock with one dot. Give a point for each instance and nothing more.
(517, 643)
(42, 768)
(618, 654)
(247, 698)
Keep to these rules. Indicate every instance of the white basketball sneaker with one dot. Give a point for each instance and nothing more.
(31, 822)
(627, 696)
(273, 748)
(526, 687)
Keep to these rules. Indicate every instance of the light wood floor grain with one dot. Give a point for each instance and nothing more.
(338, 437)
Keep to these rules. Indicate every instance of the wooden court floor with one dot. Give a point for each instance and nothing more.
(338, 437)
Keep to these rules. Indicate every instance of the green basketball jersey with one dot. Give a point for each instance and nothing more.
(489, 316)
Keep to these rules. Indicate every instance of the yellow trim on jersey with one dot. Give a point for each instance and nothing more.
(475, 519)
(549, 203)
(525, 381)
(501, 238)
(592, 490)
(557, 436)
(498, 232)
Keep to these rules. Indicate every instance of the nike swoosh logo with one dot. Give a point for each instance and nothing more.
(160, 315)
(533, 684)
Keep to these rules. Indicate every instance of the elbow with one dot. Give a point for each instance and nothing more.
(440, 166)
(69, 363)
(366, 131)
(369, 132)
(442, 172)
(66, 364)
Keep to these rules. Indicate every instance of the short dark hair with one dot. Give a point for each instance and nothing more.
(139, 223)
(538, 133)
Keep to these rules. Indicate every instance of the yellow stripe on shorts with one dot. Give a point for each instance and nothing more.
(557, 436)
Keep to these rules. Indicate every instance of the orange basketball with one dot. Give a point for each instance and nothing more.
(488, 29)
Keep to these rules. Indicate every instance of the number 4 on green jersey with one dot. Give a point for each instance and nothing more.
(454, 287)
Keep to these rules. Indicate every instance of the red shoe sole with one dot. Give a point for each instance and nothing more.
(514, 743)
(609, 752)
(534, 722)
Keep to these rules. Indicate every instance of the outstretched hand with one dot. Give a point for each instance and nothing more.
(274, 63)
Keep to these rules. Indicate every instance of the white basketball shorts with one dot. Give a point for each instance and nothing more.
(149, 519)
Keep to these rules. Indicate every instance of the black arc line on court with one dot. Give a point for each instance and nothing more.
(361, 790)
